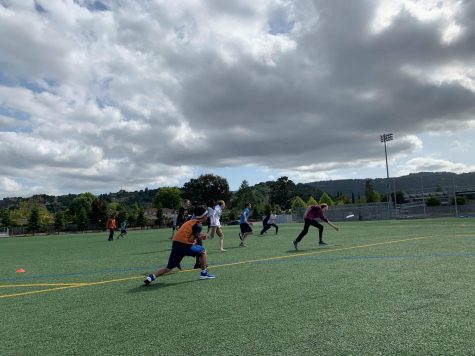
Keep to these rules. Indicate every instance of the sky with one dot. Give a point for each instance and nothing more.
(98, 96)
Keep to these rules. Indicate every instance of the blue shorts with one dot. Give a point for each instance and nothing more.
(180, 250)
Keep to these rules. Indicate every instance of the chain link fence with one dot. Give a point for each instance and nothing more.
(381, 211)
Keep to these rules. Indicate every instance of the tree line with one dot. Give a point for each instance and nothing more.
(89, 212)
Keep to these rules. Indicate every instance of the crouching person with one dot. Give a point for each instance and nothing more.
(184, 244)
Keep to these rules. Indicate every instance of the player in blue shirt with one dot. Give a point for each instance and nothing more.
(246, 228)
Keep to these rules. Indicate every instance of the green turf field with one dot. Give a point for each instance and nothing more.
(378, 288)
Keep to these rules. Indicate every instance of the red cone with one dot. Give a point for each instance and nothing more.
(20, 270)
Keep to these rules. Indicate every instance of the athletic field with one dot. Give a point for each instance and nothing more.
(377, 288)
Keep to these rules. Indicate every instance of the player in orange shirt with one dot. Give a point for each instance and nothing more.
(184, 244)
(111, 225)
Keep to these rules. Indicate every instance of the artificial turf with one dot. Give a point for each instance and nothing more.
(377, 288)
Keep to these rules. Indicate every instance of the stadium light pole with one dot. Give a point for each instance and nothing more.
(385, 138)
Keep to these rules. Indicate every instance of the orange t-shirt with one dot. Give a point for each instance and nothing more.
(111, 224)
(185, 233)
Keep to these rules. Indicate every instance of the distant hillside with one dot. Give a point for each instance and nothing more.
(410, 184)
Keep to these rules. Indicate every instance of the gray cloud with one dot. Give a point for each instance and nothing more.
(136, 93)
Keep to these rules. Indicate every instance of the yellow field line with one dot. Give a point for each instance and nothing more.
(40, 285)
(77, 285)
(297, 254)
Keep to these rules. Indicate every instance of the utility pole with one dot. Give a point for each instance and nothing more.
(385, 138)
(423, 198)
(455, 198)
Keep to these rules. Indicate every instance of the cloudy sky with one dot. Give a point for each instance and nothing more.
(118, 94)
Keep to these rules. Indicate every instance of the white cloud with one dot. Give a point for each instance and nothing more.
(445, 12)
(429, 164)
(9, 185)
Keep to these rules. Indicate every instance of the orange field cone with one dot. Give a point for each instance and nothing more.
(20, 270)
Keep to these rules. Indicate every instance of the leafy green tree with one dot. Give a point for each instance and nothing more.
(242, 196)
(231, 215)
(99, 212)
(267, 209)
(311, 201)
(6, 218)
(168, 197)
(260, 195)
(159, 215)
(26, 207)
(305, 191)
(461, 200)
(298, 202)
(325, 199)
(371, 195)
(398, 198)
(281, 192)
(59, 221)
(121, 216)
(34, 223)
(206, 187)
(82, 201)
(343, 200)
(81, 219)
(256, 213)
(432, 201)
(141, 221)
(133, 213)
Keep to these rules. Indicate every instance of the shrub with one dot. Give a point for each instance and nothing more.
(432, 201)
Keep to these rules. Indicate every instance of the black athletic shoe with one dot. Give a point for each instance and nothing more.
(321, 243)
(149, 279)
(295, 245)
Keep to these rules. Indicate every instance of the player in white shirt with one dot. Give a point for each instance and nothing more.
(215, 224)
(268, 222)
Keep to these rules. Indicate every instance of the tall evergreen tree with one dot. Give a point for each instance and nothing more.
(99, 212)
(242, 196)
(141, 221)
(325, 198)
(34, 220)
(81, 219)
(59, 221)
(297, 203)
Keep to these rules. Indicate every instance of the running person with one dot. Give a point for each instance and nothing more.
(268, 222)
(123, 229)
(216, 224)
(184, 244)
(311, 214)
(244, 225)
(210, 206)
(174, 220)
(183, 213)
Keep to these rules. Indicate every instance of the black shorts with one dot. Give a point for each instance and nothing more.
(245, 228)
(180, 250)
